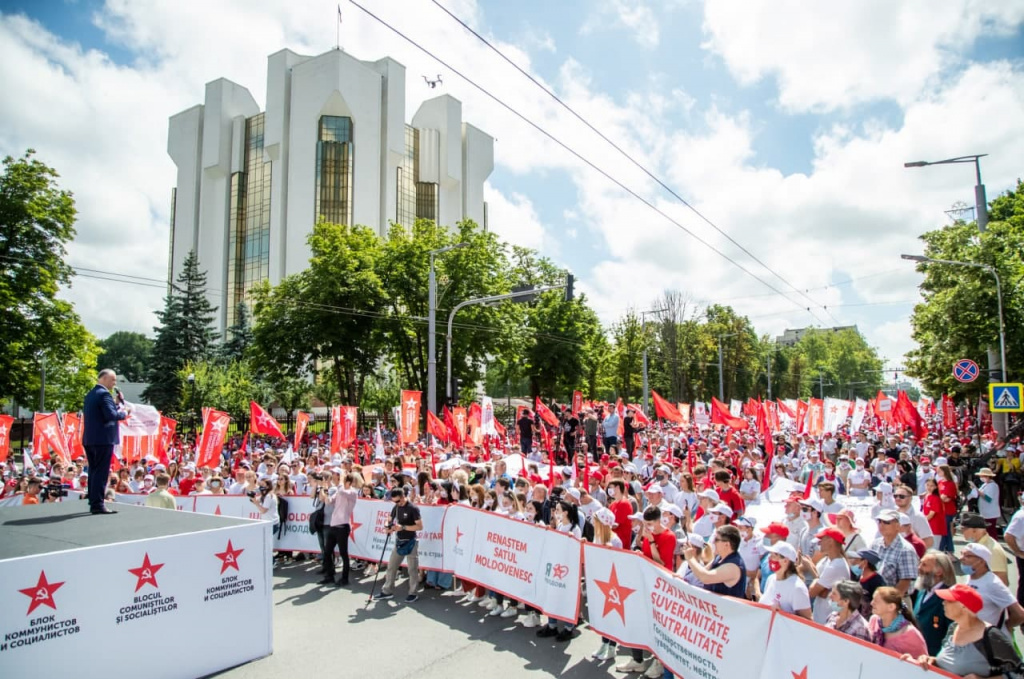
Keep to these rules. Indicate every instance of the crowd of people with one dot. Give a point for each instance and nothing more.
(683, 497)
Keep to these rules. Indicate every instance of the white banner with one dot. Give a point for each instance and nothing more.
(370, 520)
(118, 600)
(835, 414)
(860, 407)
(700, 414)
(695, 633)
(735, 408)
(487, 416)
(521, 560)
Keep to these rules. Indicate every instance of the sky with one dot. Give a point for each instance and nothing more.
(779, 129)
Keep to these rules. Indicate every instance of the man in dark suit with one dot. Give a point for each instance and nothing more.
(933, 573)
(100, 433)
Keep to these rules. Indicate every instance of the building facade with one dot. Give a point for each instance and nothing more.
(332, 144)
(791, 336)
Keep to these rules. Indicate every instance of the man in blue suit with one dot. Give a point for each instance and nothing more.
(100, 433)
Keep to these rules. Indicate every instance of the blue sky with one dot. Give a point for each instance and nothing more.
(786, 126)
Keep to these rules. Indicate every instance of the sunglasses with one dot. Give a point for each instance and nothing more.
(901, 497)
(887, 523)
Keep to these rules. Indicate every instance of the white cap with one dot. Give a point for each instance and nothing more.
(709, 494)
(815, 504)
(655, 488)
(674, 511)
(723, 509)
(696, 540)
(784, 549)
(574, 493)
(980, 551)
(883, 487)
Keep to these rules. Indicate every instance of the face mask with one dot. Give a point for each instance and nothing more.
(215, 484)
(766, 541)
(792, 515)
(148, 484)
(488, 503)
(856, 571)
(835, 606)
(806, 516)
(966, 569)
(774, 566)
(745, 535)
(664, 521)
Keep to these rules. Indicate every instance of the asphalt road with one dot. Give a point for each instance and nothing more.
(319, 629)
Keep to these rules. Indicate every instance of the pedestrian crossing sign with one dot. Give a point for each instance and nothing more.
(1006, 397)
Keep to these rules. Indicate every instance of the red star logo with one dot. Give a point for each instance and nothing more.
(802, 674)
(216, 512)
(458, 535)
(352, 531)
(42, 593)
(229, 557)
(146, 573)
(615, 595)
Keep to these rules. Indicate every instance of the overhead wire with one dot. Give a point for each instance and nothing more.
(584, 160)
(643, 168)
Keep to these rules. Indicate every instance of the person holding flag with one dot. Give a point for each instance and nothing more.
(100, 420)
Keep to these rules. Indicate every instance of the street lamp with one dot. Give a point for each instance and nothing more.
(643, 331)
(192, 397)
(721, 382)
(431, 323)
(980, 203)
(999, 298)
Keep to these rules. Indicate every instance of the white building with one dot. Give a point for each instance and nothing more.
(333, 144)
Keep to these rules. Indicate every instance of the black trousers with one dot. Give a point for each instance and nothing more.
(337, 536)
(1020, 580)
(526, 444)
(99, 473)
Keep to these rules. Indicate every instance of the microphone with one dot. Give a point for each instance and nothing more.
(119, 396)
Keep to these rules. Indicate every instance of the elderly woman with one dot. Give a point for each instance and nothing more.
(972, 649)
(845, 601)
(892, 625)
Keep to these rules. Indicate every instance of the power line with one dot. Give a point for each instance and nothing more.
(643, 168)
(587, 162)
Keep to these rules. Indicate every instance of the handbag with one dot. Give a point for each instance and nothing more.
(405, 547)
(1010, 668)
(316, 520)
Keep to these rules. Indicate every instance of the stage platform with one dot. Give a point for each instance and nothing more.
(78, 588)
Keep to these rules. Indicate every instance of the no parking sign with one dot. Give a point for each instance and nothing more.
(966, 370)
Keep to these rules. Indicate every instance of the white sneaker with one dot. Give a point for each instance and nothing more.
(531, 619)
(521, 606)
(510, 612)
(631, 666)
(472, 598)
(607, 654)
(487, 602)
(655, 671)
(596, 655)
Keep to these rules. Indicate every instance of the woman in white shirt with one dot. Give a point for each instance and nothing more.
(750, 486)
(704, 554)
(686, 498)
(786, 590)
(751, 549)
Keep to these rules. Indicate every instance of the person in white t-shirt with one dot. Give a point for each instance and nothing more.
(785, 590)
(1014, 536)
(859, 481)
(831, 569)
(1001, 606)
(988, 501)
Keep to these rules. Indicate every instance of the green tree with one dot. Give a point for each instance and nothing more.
(238, 338)
(562, 357)
(627, 356)
(958, 317)
(326, 317)
(185, 334)
(37, 220)
(126, 353)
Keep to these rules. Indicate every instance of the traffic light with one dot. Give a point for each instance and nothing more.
(569, 280)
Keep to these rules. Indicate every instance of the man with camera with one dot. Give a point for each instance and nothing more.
(405, 524)
(339, 502)
(266, 501)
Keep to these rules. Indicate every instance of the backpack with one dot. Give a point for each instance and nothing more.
(282, 515)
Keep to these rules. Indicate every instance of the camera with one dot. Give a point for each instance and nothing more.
(54, 489)
(251, 493)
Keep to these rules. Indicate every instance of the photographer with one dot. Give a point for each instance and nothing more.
(340, 502)
(405, 524)
(266, 501)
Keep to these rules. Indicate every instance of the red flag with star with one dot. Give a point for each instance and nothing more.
(168, 427)
(262, 422)
(73, 435)
(720, 415)
(5, 436)
(301, 420)
(545, 413)
(344, 420)
(436, 428)
(577, 402)
(453, 430)
(665, 410)
(42, 593)
(211, 443)
(229, 557)
(410, 432)
(48, 430)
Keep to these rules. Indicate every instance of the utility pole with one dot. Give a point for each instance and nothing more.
(721, 381)
(643, 331)
(431, 328)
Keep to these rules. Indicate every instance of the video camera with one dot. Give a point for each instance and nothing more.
(54, 490)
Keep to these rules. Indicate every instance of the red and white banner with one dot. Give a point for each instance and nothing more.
(410, 420)
(115, 600)
(215, 430)
(521, 560)
(836, 411)
(948, 412)
(700, 414)
(343, 427)
(262, 422)
(692, 631)
(735, 407)
(577, 402)
(370, 520)
(487, 416)
(47, 432)
(860, 408)
(5, 436)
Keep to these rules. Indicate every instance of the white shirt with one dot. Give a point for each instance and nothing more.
(995, 595)
(588, 509)
(271, 515)
(797, 528)
(669, 491)
(750, 486)
(833, 508)
(790, 595)
(862, 448)
(704, 526)
(921, 527)
(830, 572)
(922, 478)
(751, 551)
(1016, 527)
(989, 509)
(855, 477)
(687, 499)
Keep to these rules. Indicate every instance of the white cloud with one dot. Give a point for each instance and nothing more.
(514, 219)
(827, 55)
(635, 16)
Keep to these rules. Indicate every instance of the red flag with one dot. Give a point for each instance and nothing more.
(500, 428)
(72, 436)
(163, 443)
(551, 461)
(577, 402)
(261, 422)
(765, 431)
(436, 428)
(211, 443)
(410, 416)
(948, 412)
(750, 407)
(884, 407)
(665, 410)
(343, 427)
(301, 420)
(785, 409)
(453, 431)
(906, 414)
(720, 415)
(459, 413)
(639, 415)
(47, 430)
(545, 413)
(6, 421)
(801, 416)
(810, 484)
(815, 417)
(772, 412)
(620, 410)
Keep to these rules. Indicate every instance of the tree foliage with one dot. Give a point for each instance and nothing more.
(185, 335)
(37, 220)
(126, 353)
(958, 317)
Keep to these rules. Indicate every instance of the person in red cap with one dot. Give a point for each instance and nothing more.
(831, 569)
(973, 648)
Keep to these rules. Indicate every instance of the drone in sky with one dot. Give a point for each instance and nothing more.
(433, 83)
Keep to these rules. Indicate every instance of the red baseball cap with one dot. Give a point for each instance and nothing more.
(776, 529)
(833, 533)
(963, 594)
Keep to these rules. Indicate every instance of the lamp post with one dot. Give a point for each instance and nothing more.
(643, 331)
(192, 398)
(980, 203)
(431, 328)
(526, 292)
(721, 381)
(999, 298)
